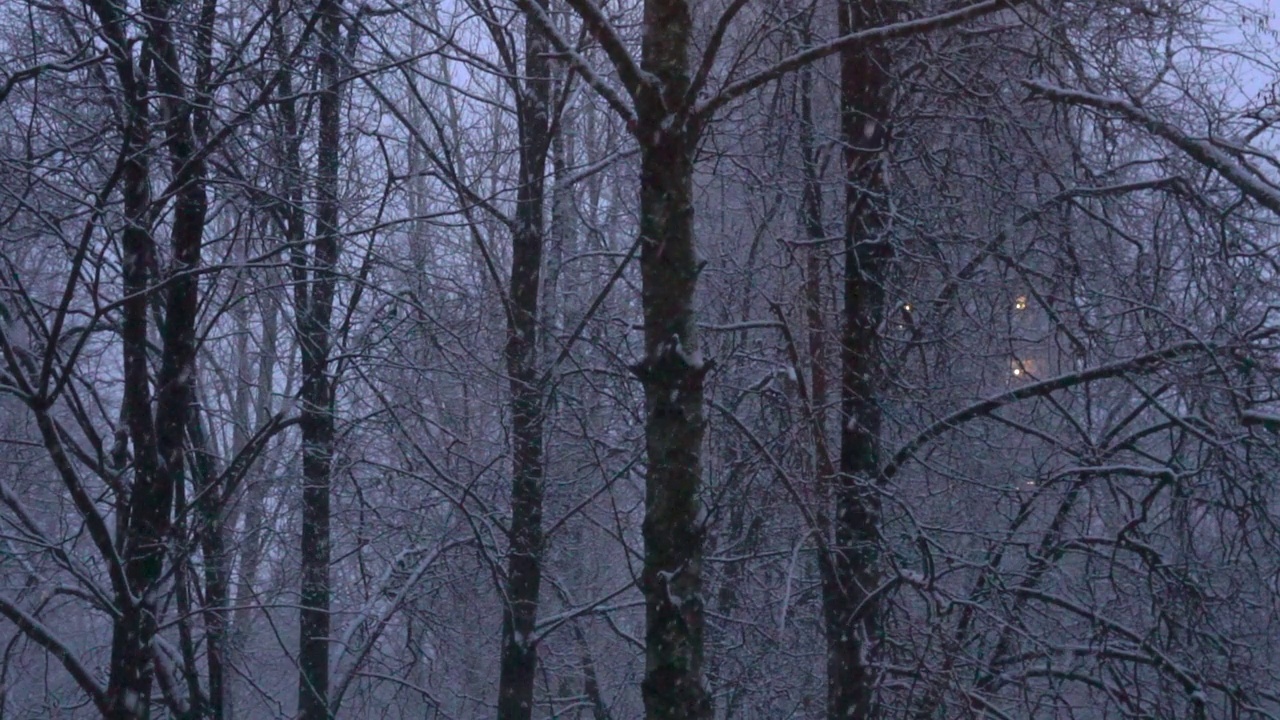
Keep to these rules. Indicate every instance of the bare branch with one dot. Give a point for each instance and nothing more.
(633, 78)
(1206, 152)
(44, 637)
(906, 28)
(1140, 364)
(713, 49)
(619, 105)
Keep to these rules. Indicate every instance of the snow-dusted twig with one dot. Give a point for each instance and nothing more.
(382, 619)
(1140, 364)
(791, 571)
(893, 31)
(617, 55)
(1207, 152)
(45, 638)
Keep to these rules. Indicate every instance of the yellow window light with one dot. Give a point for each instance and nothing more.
(1020, 303)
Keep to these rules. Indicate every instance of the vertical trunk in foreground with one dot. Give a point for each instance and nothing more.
(129, 681)
(850, 616)
(672, 373)
(314, 314)
(524, 558)
(156, 432)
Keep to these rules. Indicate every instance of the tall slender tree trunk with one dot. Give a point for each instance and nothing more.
(157, 433)
(815, 233)
(252, 543)
(562, 240)
(211, 506)
(317, 415)
(850, 614)
(212, 535)
(672, 373)
(129, 681)
(524, 557)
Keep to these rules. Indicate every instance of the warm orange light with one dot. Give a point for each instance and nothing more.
(906, 307)
(1020, 303)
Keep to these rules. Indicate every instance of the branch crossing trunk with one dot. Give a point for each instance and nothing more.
(314, 316)
(851, 575)
(524, 558)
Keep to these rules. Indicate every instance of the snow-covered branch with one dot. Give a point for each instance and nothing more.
(397, 583)
(1140, 364)
(633, 78)
(538, 14)
(45, 638)
(906, 28)
(1204, 151)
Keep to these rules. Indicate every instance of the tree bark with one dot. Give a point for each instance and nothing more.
(851, 575)
(129, 681)
(211, 531)
(672, 373)
(316, 394)
(158, 435)
(815, 232)
(524, 556)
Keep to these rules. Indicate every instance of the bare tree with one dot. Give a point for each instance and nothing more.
(1041, 236)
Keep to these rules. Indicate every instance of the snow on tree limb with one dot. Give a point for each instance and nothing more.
(397, 573)
(1205, 152)
(713, 50)
(633, 78)
(580, 64)
(45, 638)
(1140, 364)
(903, 29)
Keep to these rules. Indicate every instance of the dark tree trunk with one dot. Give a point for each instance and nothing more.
(815, 232)
(672, 373)
(129, 681)
(210, 503)
(211, 532)
(314, 315)
(158, 436)
(524, 557)
(850, 613)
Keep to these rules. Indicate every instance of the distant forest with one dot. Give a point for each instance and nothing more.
(621, 359)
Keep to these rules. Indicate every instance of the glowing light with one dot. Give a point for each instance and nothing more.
(1020, 303)
(1020, 367)
(906, 307)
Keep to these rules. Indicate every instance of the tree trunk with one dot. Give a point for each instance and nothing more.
(316, 420)
(850, 615)
(524, 557)
(672, 373)
(158, 436)
(815, 233)
(211, 530)
(252, 543)
(129, 681)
